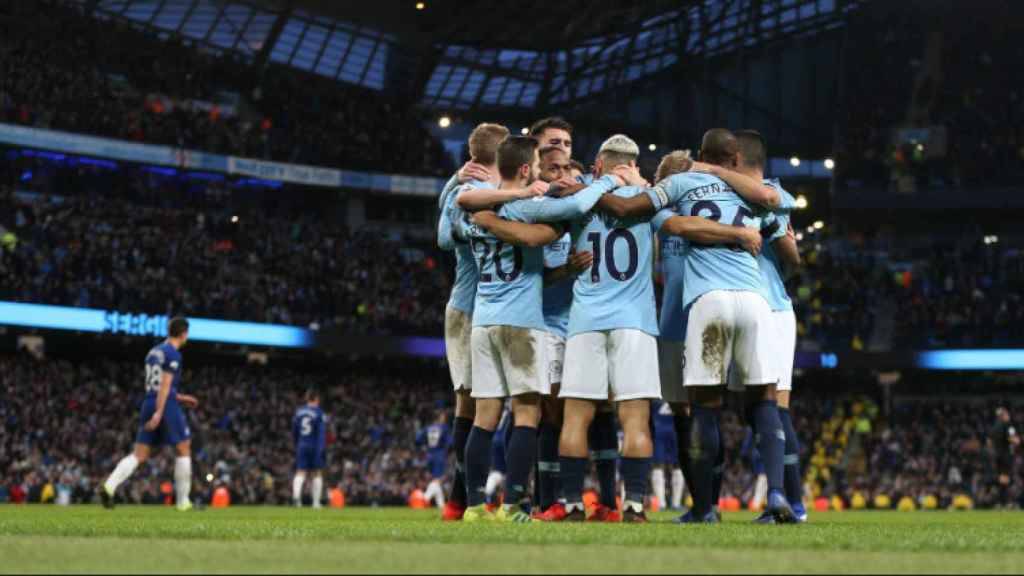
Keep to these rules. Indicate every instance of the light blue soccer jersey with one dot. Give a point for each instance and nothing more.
(672, 322)
(716, 267)
(464, 287)
(558, 296)
(617, 292)
(511, 284)
(772, 274)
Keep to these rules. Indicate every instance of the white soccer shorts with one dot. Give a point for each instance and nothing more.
(781, 351)
(670, 363)
(458, 327)
(729, 331)
(611, 364)
(508, 361)
(555, 354)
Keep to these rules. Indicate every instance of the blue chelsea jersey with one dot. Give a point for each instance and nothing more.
(162, 359)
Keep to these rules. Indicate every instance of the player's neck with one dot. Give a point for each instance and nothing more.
(174, 342)
(752, 172)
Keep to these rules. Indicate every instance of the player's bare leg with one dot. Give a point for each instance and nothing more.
(574, 453)
(637, 451)
(183, 475)
(124, 469)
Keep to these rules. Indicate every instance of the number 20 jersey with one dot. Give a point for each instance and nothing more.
(617, 292)
(715, 267)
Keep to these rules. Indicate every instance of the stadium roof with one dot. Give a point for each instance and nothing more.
(470, 54)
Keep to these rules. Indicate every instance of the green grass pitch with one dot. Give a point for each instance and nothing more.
(88, 539)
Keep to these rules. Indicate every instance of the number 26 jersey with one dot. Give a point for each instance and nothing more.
(712, 267)
(617, 291)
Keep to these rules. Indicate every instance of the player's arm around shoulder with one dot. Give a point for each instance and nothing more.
(750, 189)
(515, 233)
(473, 198)
(703, 231)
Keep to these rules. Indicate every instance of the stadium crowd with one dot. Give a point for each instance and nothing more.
(63, 70)
(103, 252)
(79, 414)
(59, 441)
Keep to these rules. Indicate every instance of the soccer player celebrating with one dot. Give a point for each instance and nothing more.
(162, 421)
(729, 324)
(483, 149)
(508, 327)
(672, 329)
(438, 440)
(778, 257)
(310, 436)
(561, 265)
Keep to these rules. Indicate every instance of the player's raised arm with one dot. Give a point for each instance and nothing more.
(703, 231)
(751, 189)
(471, 198)
(516, 233)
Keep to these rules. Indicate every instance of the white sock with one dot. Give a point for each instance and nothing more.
(124, 469)
(494, 480)
(183, 479)
(297, 483)
(678, 486)
(435, 493)
(658, 482)
(318, 491)
(760, 491)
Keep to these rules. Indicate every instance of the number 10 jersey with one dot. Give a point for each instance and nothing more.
(617, 291)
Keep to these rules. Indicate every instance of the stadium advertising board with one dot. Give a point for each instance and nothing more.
(194, 160)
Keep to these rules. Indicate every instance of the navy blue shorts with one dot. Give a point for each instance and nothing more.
(666, 447)
(437, 465)
(173, 428)
(310, 458)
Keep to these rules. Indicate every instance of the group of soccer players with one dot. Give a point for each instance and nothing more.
(553, 313)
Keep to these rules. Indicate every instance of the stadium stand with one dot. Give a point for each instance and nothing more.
(67, 71)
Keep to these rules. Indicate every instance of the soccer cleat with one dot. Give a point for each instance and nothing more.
(800, 512)
(766, 517)
(556, 513)
(187, 506)
(106, 498)
(779, 507)
(630, 516)
(691, 518)
(512, 514)
(478, 514)
(452, 512)
(605, 514)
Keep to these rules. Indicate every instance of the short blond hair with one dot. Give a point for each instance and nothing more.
(674, 162)
(484, 142)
